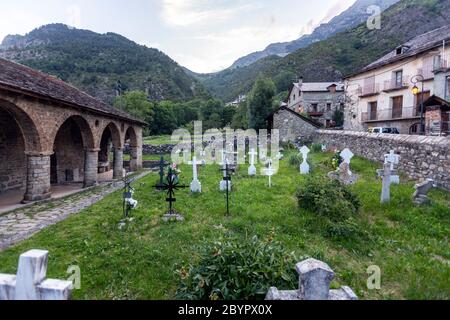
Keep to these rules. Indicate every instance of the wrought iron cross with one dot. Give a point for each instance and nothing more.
(162, 166)
(171, 186)
(227, 177)
(127, 194)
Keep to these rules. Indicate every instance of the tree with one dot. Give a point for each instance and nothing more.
(136, 104)
(164, 120)
(284, 80)
(338, 118)
(260, 103)
(240, 118)
(228, 114)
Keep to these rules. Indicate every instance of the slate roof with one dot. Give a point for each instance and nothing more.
(17, 77)
(415, 46)
(320, 86)
(310, 121)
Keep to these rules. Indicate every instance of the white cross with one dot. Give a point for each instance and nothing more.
(385, 174)
(196, 185)
(304, 167)
(252, 168)
(393, 159)
(30, 282)
(347, 156)
(270, 172)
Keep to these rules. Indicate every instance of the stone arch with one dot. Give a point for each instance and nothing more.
(72, 139)
(132, 147)
(110, 142)
(131, 136)
(114, 133)
(27, 126)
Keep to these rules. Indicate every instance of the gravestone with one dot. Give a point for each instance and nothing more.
(393, 159)
(196, 186)
(171, 186)
(420, 196)
(280, 156)
(162, 167)
(347, 156)
(225, 184)
(324, 148)
(343, 174)
(304, 167)
(252, 169)
(385, 174)
(315, 278)
(30, 283)
(269, 171)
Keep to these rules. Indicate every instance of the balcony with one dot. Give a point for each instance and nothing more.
(442, 62)
(406, 113)
(369, 90)
(393, 85)
(315, 114)
(427, 72)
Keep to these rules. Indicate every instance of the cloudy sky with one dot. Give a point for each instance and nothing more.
(203, 35)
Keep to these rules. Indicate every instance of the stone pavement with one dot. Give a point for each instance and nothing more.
(24, 223)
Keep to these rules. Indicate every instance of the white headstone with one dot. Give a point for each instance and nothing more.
(269, 171)
(347, 156)
(385, 174)
(30, 282)
(196, 185)
(393, 159)
(252, 168)
(304, 167)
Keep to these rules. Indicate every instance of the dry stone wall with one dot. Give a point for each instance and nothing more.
(422, 157)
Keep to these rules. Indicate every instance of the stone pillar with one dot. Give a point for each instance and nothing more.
(38, 178)
(91, 167)
(118, 164)
(135, 158)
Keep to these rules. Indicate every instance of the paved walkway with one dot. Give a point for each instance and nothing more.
(24, 223)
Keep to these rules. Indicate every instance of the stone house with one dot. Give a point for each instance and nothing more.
(292, 125)
(316, 100)
(53, 134)
(381, 95)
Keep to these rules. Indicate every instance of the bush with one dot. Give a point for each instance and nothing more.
(328, 198)
(337, 160)
(295, 159)
(233, 269)
(316, 147)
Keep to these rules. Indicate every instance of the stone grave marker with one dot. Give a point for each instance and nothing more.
(420, 196)
(393, 159)
(385, 174)
(347, 156)
(304, 167)
(30, 283)
(252, 169)
(315, 278)
(196, 186)
(269, 171)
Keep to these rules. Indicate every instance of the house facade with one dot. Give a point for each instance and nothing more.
(381, 94)
(316, 100)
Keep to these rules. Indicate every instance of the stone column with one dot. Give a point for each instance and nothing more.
(91, 167)
(38, 178)
(134, 158)
(118, 164)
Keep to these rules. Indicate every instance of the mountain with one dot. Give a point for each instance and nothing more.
(341, 54)
(347, 20)
(96, 62)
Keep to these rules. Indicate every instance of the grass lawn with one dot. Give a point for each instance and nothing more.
(158, 140)
(409, 244)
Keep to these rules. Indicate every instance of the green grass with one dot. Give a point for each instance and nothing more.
(409, 244)
(158, 140)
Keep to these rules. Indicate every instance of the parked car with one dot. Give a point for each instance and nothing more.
(384, 130)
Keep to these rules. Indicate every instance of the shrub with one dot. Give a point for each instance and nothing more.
(316, 147)
(328, 198)
(295, 159)
(233, 269)
(336, 160)
(288, 146)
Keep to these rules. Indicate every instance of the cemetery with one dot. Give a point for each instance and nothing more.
(327, 223)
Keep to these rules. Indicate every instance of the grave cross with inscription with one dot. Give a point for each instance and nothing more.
(30, 283)
(393, 159)
(385, 174)
(269, 171)
(347, 156)
(252, 168)
(196, 185)
(162, 167)
(171, 186)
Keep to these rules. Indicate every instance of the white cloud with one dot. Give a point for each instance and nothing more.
(182, 13)
(18, 22)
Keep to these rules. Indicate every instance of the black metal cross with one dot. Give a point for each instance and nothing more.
(171, 186)
(162, 166)
(227, 178)
(127, 194)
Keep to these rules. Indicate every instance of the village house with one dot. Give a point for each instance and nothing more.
(316, 100)
(55, 138)
(389, 92)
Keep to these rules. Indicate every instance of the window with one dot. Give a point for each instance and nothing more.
(447, 89)
(373, 110)
(328, 106)
(397, 107)
(398, 79)
(314, 107)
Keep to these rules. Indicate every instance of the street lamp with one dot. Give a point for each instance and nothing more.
(415, 90)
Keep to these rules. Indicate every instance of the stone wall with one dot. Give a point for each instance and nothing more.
(152, 150)
(292, 126)
(422, 157)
